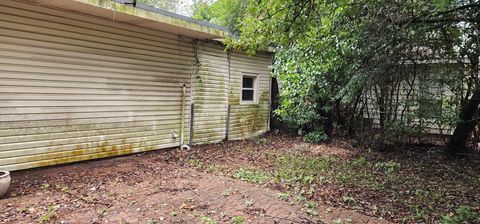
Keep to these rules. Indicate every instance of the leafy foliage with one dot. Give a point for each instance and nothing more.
(316, 137)
(170, 5)
(253, 176)
(226, 13)
(463, 214)
(335, 59)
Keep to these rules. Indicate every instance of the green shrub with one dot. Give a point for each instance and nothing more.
(315, 137)
(463, 214)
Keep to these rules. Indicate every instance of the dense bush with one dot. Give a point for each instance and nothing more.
(315, 137)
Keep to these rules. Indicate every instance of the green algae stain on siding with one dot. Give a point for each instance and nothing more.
(82, 152)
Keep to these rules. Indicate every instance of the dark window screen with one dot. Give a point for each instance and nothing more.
(247, 95)
(248, 89)
(248, 82)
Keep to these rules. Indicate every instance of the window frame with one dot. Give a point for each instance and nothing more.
(255, 78)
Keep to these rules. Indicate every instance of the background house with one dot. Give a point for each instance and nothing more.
(87, 79)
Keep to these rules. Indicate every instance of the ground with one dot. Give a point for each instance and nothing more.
(272, 179)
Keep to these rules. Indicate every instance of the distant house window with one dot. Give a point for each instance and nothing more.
(249, 88)
(430, 99)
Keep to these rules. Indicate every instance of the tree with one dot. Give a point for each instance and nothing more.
(227, 13)
(332, 54)
(170, 5)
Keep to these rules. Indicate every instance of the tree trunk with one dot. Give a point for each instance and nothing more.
(463, 131)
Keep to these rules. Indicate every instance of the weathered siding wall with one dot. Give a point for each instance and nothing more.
(436, 94)
(247, 120)
(74, 87)
(213, 94)
(210, 94)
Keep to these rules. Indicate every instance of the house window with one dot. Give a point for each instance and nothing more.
(430, 99)
(249, 89)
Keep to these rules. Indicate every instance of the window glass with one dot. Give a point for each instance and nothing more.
(248, 88)
(247, 82)
(247, 95)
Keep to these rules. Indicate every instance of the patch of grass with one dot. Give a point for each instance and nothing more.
(463, 214)
(311, 212)
(349, 200)
(388, 167)
(337, 221)
(311, 205)
(238, 220)
(360, 161)
(251, 175)
(151, 221)
(283, 196)
(300, 198)
(410, 186)
(208, 220)
(195, 163)
(49, 215)
(45, 186)
(294, 168)
(213, 168)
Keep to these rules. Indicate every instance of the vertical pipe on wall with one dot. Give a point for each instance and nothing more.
(227, 127)
(182, 129)
(192, 119)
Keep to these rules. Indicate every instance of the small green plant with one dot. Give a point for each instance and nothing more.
(311, 212)
(26, 209)
(337, 221)
(45, 186)
(151, 221)
(207, 220)
(213, 168)
(238, 220)
(195, 163)
(294, 168)
(315, 137)
(311, 205)
(283, 196)
(388, 167)
(249, 203)
(252, 176)
(173, 213)
(360, 161)
(300, 198)
(463, 214)
(228, 192)
(49, 215)
(348, 200)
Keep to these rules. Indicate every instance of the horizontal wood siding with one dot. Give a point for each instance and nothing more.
(247, 120)
(211, 94)
(74, 87)
(408, 104)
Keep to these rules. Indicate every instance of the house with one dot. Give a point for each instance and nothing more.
(425, 99)
(88, 79)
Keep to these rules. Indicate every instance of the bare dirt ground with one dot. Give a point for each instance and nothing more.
(165, 187)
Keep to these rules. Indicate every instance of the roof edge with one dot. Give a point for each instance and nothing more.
(159, 15)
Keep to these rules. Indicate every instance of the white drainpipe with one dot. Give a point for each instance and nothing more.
(182, 129)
